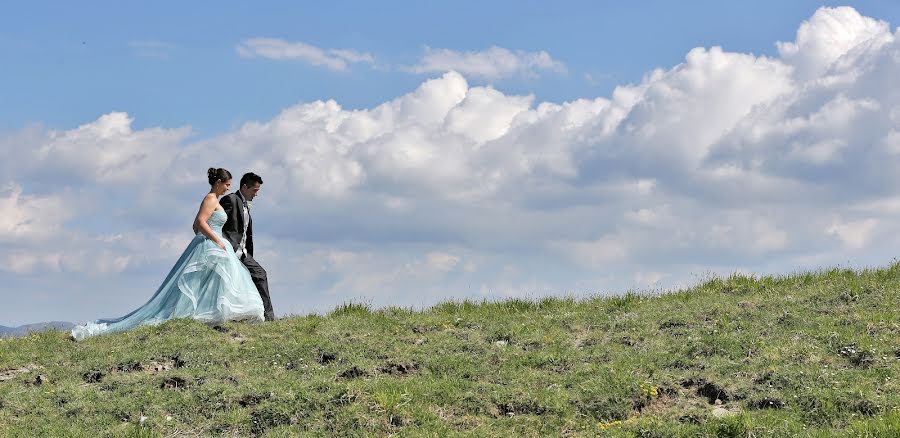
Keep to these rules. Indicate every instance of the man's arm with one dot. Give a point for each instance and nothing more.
(226, 203)
(230, 228)
(250, 237)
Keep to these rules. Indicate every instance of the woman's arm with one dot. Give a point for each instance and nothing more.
(206, 210)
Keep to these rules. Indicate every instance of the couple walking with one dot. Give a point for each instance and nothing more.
(216, 279)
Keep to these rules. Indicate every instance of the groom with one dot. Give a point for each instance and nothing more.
(238, 229)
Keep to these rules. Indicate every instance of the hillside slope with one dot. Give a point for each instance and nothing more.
(774, 356)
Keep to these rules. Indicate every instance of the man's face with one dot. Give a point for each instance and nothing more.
(250, 192)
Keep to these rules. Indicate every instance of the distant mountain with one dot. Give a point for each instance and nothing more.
(22, 330)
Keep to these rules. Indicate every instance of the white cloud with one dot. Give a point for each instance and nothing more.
(891, 142)
(384, 276)
(485, 114)
(596, 254)
(19, 263)
(30, 218)
(442, 262)
(106, 150)
(855, 234)
(725, 161)
(353, 56)
(829, 35)
(643, 215)
(677, 116)
(278, 49)
(492, 63)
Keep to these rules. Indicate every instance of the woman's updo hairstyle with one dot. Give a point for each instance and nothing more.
(219, 174)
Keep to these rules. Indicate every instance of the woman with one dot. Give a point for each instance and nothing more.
(208, 283)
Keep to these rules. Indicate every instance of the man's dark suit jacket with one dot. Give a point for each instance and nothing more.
(233, 229)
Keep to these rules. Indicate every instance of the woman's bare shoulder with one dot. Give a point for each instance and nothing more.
(210, 198)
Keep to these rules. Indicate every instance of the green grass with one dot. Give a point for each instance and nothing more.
(811, 354)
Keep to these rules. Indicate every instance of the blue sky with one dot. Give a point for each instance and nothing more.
(433, 151)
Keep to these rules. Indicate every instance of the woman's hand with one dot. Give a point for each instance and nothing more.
(221, 245)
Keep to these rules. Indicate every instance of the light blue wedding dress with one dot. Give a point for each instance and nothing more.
(207, 283)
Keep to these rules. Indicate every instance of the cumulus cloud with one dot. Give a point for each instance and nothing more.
(30, 218)
(726, 161)
(106, 151)
(832, 33)
(492, 63)
(278, 49)
(855, 234)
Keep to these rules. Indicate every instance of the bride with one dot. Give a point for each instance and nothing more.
(208, 283)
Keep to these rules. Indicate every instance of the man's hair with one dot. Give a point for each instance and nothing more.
(250, 179)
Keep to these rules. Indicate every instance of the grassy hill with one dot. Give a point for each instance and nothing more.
(807, 354)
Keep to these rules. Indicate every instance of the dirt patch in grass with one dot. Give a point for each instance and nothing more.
(627, 341)
(866, 408)
(683, 364)
(399, 368)
(253, 399)
(767, 403)
(584, 340)
(665, 399)
(352, 373)
(174, 382)
(708, 390)
(858, 356)
(129, 367)
(92, 376)
(165, 364)
(154, 366)
(519, 407)
(500, 339)
(673, 324)
(11, 374)
(325, 358)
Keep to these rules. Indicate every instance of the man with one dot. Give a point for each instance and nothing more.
(238, 229)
